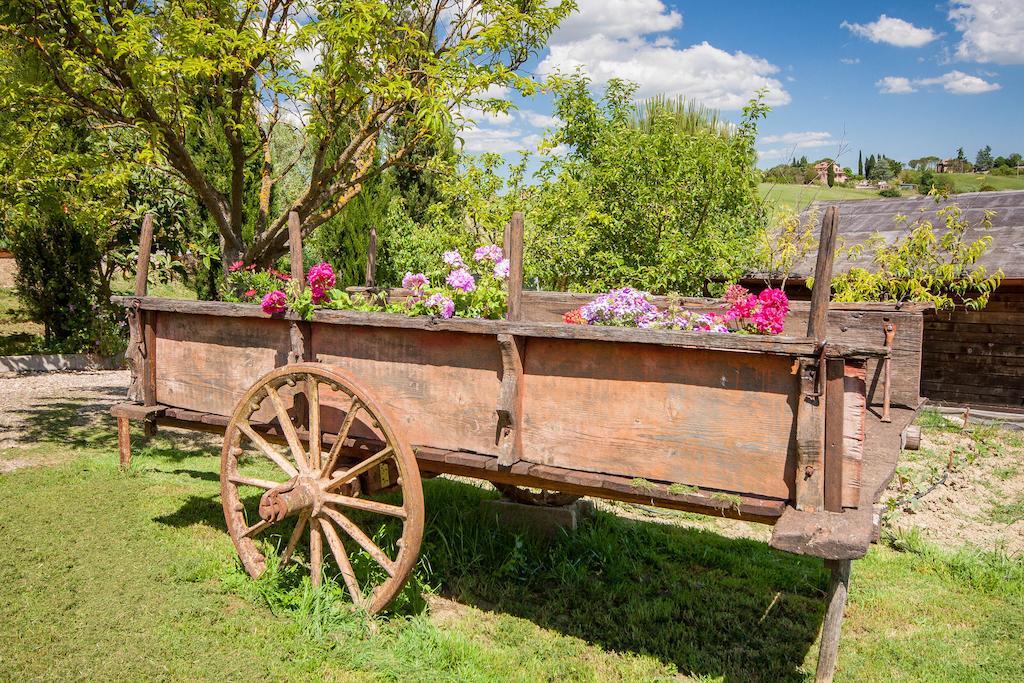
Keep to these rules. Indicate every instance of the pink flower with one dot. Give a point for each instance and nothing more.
(491, 252)
(444, 305)
(770, 316)
(321, 277)
(501, 269)
(736, 293)
(251, 266)
(275, 302)
(319, 294)
(235, 266)
(249, 293)
(415, 281)
(453, 259)
(461, 279)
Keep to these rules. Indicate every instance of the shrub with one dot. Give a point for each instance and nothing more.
(57, 266)
(986, 188)
(890, 192)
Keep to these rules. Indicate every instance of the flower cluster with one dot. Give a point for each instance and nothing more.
(627, 307)
(415, 281)
(274, 302)
(321, 280)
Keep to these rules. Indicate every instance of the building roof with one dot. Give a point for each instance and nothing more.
(859, 219)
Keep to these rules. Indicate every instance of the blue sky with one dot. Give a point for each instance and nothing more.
(906, 79)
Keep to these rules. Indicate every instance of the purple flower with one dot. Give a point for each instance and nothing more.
(321, 277)
(415, 281)
(501, 269)
(275, 302)
(444, 305)
(624, 306)
(491, 252)
(453, 259)
(461, 279)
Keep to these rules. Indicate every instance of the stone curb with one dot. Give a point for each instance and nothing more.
(11, 366)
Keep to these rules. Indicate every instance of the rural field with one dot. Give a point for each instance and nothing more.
(130, 575)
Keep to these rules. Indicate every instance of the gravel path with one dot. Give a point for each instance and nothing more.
(27, 402)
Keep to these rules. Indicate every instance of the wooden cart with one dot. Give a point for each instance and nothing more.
(768, 429)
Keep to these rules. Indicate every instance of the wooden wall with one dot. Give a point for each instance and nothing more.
(977, 356)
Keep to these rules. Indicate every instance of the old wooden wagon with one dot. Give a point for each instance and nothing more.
(349, 409)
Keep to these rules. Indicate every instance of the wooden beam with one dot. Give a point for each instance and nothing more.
(295, 249)
(810, 439)
(371, 259)
(822, 291)
(149, 366)
(515, 271)
(838, 587)
(835, 414)
(145, 249)
(510, 400)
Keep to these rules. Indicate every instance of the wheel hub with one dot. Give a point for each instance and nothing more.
(289, 498)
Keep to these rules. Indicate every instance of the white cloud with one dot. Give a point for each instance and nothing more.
(892, 31)
(718, 78)
(627, 39)
(849, 60)
(538, 120)
(801, 140)
(993, 30)
(617, 19)
(955, 82)
(895, 85)
(498, 140)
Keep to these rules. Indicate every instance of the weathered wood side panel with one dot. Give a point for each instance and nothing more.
(206, 363)
(855, 413)
(441, 388)
(706, 418)
(852, 324)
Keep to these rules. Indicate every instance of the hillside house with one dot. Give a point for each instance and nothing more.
(822, 170)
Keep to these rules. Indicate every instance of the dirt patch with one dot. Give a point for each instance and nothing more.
(965, 486)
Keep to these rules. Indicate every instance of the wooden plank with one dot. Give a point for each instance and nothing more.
(207, 364)
(133, 411)
(830, 535)
(515, 271)
(145, 248)
(710, 419)
(810, 440)
(835, 416)
(510, 399)
(149, 382)
(855, 412)
(822, 292)
(783, 345)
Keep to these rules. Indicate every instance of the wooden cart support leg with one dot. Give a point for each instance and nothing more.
(124, 441)
(838, 586)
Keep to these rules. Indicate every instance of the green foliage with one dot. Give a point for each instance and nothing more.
(653, 207)
(689, 115)
(890, 192)
(785, 245)
(939, 265)
(983, 160)
(830, 177)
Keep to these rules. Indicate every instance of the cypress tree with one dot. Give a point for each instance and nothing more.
(860, 163)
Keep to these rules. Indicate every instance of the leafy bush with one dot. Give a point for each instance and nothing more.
(57, 280)
(986, 188)
(890, 192)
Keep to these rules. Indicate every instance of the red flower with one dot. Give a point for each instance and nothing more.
(574, 317)
(250, 293)
(235, 266)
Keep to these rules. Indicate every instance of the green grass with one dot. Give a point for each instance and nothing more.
(972, 182)
(799, 197)
(129, 575)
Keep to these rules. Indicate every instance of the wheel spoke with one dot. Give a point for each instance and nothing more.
(366, 504)
(267, 449)
(250, 481)
(257, 528)
(316, 553)
(290, 435)
(364, 541)
(347, 573)
(313, 398)
(296, 535)
(346, 425)
(353, 472)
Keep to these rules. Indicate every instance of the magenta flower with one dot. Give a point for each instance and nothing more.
(321, 276)
(501, 269)
(453, 259)
(461, 279)
(415, 281)
(235, 266)
(492, 252)
(444, 305)
(770, 316)
(275, 302)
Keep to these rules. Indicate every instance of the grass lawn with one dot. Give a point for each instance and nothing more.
(129, 575)
(972, 182)
(799, 197)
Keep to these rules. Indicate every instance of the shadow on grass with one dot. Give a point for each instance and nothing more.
(712, 606)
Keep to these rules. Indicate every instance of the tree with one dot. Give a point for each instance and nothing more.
(983, 160)
(830, 175)
(860, 163)
(158, 67)
(869, 165)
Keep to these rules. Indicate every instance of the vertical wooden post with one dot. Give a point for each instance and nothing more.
(838, 586)
(124, 441)
(145, 249)
(514, 254)
(506, 239)
(835, 386)
(295, 249)
(371, 259)
(817, 321)
(890, 336)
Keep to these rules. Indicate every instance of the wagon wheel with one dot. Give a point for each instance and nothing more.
(320, 482)
(541, 497)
